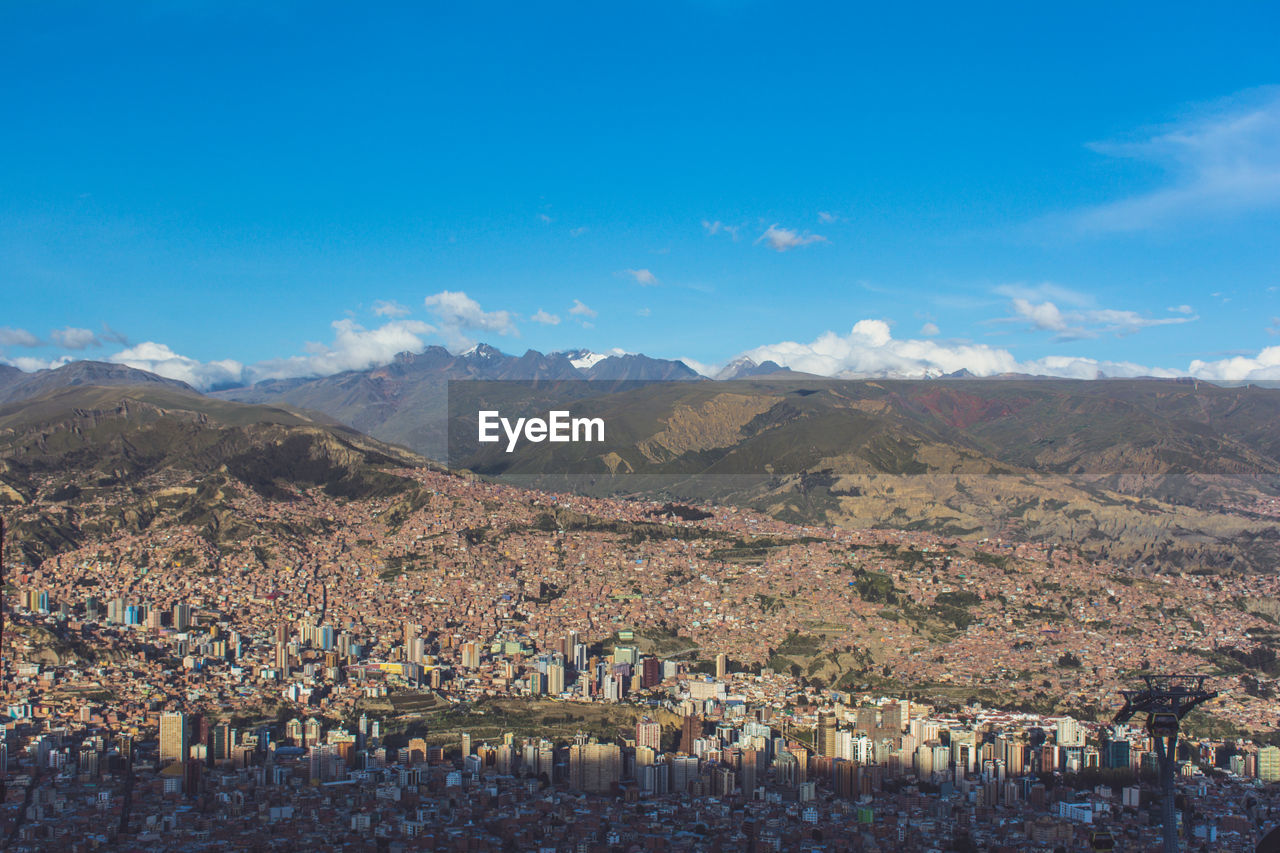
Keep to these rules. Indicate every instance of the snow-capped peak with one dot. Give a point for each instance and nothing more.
(582, 359)
(480, 351)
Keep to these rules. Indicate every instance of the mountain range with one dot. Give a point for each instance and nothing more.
(1163, 473)
(405, 402)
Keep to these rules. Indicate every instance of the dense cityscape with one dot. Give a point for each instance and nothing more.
(721, 426)
(475, 667)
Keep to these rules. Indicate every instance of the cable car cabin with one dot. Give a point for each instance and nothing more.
(1163, 725)
(1101, 839)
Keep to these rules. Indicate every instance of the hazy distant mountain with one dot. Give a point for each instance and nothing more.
(405, 402)
(743, 367)
(27, 385)
(632, 367)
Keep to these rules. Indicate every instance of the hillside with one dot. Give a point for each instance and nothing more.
(110, 458)
(1171, 473)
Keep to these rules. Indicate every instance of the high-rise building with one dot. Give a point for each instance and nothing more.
(786, 768)
(650, 673)
(750, 769)
(825, 742)
(173, 737)
(594, 767)
(181, 617)
(314, 731)
(690, 731)
(1269, 764)
(1115, 754)
(964, 752)
(220, 747)
(470, 656)
(684, 770)
(891, 718)
(1070, 733)
(868, 720)
(722, 666)
(649, 733)
(555, 679)
(1015, 757)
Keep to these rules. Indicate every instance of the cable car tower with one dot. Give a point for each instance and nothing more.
(1165, 701)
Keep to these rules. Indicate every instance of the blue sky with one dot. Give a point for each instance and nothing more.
(223, 191)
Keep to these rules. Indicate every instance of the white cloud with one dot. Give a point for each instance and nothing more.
(1044, 315)
(10, 337)
(389, 308)
(786, 239)
(826, 217)
(929, 329)
(546, 319)
(717, 227)
(581, 310)
(644, 278)
(458, 314)
(77, 339)
(1083, 319)
(578, 232)
(159, 359)
(643, 312)
(31, 365)
(1225, 160)
(1265, 365)
(546, 220)
(1079, 367)
(353, 348)
(871, 350)
(1274, 328)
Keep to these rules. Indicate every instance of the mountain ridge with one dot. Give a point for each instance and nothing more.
(1143, 470)
(148, 448)
(76, 373)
